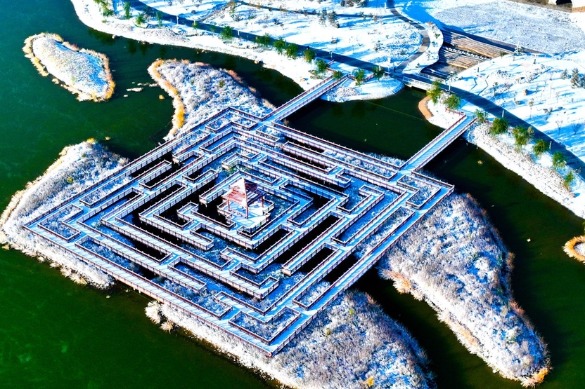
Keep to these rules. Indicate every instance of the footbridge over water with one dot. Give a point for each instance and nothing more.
(440, 143)
(303, 99)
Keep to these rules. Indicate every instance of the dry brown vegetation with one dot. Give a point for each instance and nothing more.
(570, 248)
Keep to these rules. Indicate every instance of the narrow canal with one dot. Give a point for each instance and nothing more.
(54, 333)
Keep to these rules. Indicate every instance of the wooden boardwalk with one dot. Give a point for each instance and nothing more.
(153, 225)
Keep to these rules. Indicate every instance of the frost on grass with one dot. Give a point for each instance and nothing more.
(458, 265)
(200, 91)
(354, 344)
(77, 168)
(82, 72)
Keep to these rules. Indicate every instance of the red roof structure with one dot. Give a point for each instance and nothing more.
(242, 193)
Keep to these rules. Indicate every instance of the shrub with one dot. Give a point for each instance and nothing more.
(321, 66)
(126, 10)
(453, 102)
(263, 40)
(292, 50)
(568, 179)
(435, 92)
(499, 126)
(558, 160)
(360, 76)
(378, 72)
(480, 116)
(309, 55)
(539, 147)
(521, 135)
(279, 45)
(140, 19)
(227, 33)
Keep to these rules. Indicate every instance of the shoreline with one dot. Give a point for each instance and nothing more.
(52, 187)
(543, 178)
(298, 70)
(62, 68)
(571, 248)
(471, 291)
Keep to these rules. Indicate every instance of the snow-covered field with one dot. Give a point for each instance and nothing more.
(538, 170)
(365, 33)
(537, 28)
(537, 89)
(386, 41)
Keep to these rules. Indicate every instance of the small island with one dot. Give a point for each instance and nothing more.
(83, 72)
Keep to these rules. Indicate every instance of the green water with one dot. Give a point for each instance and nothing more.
(54, 333)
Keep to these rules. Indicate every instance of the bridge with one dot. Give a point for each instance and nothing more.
(304, 98)
(440, 143)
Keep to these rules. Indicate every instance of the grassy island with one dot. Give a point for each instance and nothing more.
(85, 73)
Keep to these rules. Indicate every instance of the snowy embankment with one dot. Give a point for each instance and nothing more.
(373, 89)
(200, 91)
(395, 40)
(77, 168)
(456, 262)
(80, 71)
(89, 13)
(548, 93)
(536, 170)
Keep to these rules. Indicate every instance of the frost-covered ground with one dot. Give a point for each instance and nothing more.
(83, 72)
(537, 89)
(538, 170)
(540, 90)
(382, 40)
(457, 263)
(349, 345)
(77, 168)
(376, 36)
(537, 28)
(200, 91)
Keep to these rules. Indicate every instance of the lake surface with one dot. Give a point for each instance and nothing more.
(54, 333)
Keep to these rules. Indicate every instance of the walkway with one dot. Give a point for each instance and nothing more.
(440, 143)
(303, 99)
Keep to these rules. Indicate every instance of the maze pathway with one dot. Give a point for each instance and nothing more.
(159, 224)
